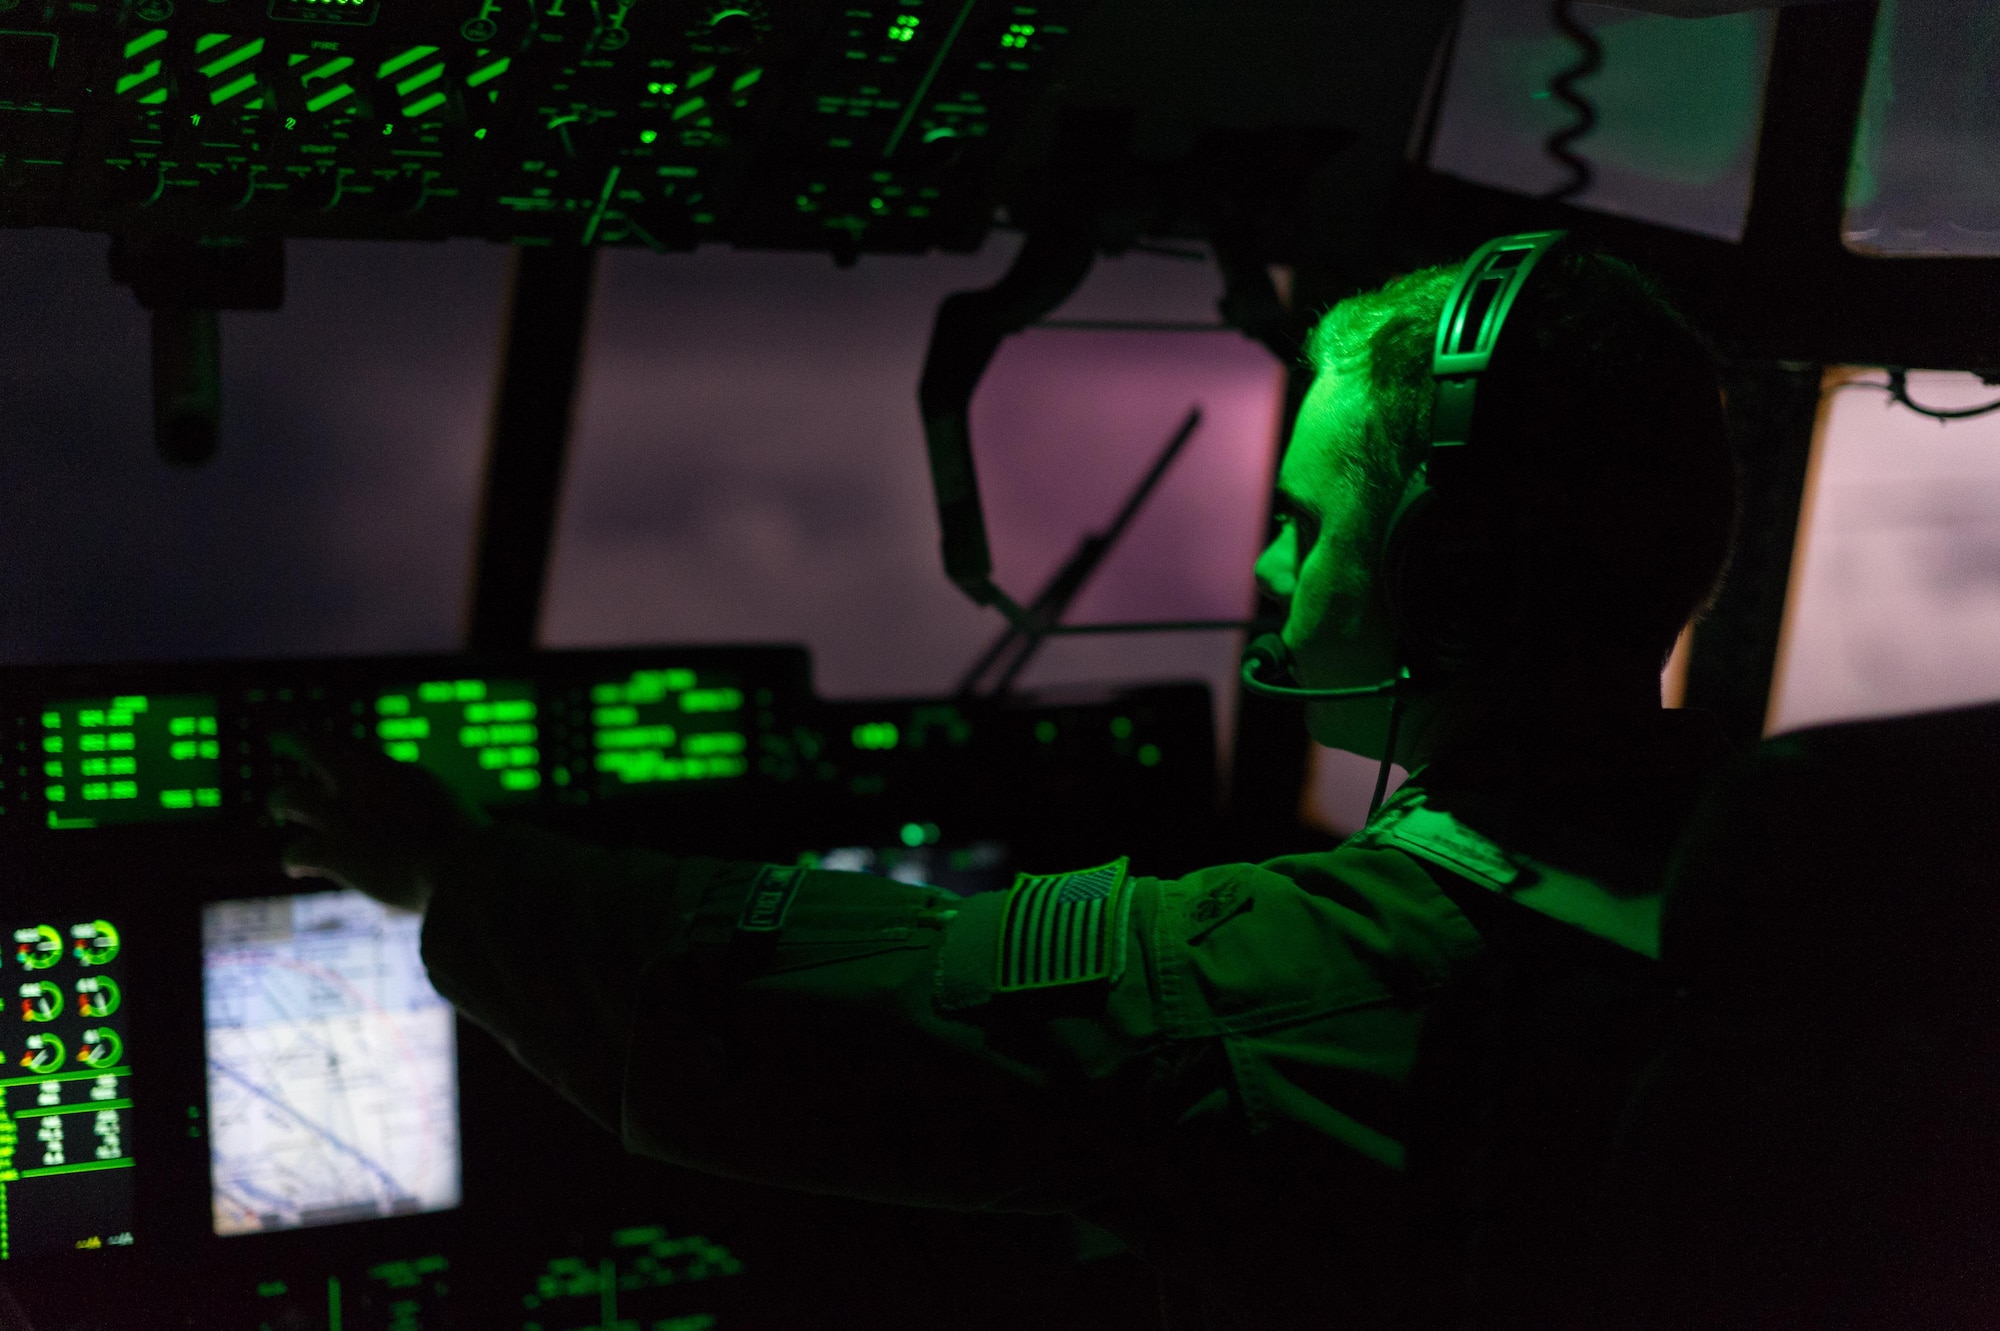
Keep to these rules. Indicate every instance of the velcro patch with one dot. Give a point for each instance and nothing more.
(770, 899)
(1442, 839)
(1631, 922)
(1064, 928)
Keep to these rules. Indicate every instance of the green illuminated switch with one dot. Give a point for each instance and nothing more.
(131, 759)
(481, 736)
(666, 725)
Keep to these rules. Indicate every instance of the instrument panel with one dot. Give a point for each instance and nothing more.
(163, 746)
(102, 758)
(776, 123)
(234, 1100)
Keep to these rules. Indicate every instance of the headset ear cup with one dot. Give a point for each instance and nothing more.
(1445, 578)
(1404, 554)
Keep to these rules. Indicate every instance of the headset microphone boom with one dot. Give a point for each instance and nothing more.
(1468, 330)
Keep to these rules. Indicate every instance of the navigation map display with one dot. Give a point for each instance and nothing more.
(332, 1065)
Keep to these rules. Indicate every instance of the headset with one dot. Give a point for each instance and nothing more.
(1418, 555)
(1414, 557)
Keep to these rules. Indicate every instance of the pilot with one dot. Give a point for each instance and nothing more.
(1270, 1079)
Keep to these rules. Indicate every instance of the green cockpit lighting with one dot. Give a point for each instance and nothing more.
(481, 736)
(130, 759)
(876, 735)
(666, 725)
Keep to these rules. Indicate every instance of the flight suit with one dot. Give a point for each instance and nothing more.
(1214, 1067)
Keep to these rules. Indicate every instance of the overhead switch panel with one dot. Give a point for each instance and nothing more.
(662, 123)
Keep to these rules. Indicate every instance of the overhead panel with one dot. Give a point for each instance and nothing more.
(854, 126)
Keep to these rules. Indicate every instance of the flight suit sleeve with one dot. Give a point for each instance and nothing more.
(818, 1056)
(866, 1046)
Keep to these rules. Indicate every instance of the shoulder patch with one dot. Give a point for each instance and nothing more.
(1064, 928)
(1444, 840)
(1630, 922)
(770, 899)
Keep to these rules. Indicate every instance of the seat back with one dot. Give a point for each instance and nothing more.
(1524, 1068)
(1818, 1143)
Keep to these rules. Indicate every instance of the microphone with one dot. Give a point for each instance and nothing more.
(1267, 660)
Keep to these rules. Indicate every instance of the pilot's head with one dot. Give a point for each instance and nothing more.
(1595, 526)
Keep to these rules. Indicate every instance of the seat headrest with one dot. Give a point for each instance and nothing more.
(1851, 868)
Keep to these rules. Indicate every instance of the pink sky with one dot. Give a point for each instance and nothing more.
(1896, 593)
(749, 465)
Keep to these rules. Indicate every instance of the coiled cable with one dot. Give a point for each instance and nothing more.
(1589, 59)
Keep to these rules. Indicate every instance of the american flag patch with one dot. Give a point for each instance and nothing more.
(1064, 928)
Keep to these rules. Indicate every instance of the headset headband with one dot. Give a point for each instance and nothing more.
(1467, 332)
(1470, 327)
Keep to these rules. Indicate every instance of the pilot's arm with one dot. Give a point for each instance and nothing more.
(1081, 1039)
(829, 1031)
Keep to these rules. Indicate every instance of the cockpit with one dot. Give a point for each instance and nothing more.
(834, 435)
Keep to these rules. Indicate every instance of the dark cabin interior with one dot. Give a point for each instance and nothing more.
(585, 328)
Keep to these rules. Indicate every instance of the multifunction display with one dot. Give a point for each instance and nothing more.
(130, 759)
(482, 736)
(65, 1090)
(332, 1065)
(667, 725)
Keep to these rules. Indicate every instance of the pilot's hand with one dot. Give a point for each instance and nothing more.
(367, 821)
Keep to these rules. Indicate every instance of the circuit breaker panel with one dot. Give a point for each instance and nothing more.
(664, 123)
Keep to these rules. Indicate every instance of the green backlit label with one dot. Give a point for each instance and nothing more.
(131, 759)
(481, 736)
(666, 725)
(359, 13)
(876, 735)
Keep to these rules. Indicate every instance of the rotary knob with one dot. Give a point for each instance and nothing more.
(315, 193)
(136, 186)
(226, 190)
(733, 25)
(399, 194)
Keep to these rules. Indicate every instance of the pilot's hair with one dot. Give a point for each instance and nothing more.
(1605, 447)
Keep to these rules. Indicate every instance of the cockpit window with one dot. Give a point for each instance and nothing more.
(336, 515)
(748, 464)
(1678, 103)
(1895, 603)
(1925, 180)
